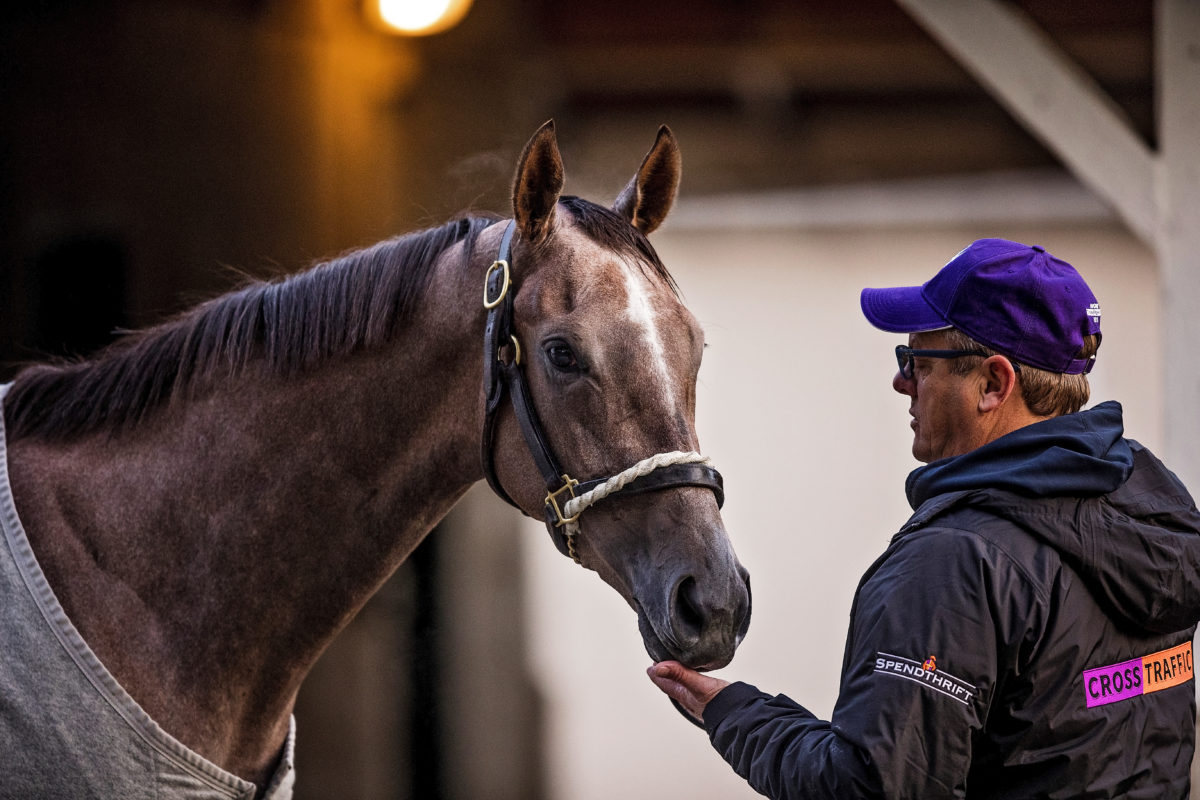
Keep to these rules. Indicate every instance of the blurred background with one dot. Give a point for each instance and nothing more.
(154, 152)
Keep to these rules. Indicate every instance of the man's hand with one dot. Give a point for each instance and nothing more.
(687, 687)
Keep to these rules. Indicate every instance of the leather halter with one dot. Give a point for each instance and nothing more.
(502, 373)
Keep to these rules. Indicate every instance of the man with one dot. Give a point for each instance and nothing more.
(1027, 633)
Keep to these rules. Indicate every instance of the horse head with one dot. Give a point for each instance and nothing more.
(609, 356)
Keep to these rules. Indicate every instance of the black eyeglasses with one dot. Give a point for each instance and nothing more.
(905, 356)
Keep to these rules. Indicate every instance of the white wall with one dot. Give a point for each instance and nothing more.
(796, 408)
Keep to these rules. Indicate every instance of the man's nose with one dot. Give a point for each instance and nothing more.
(902, 384)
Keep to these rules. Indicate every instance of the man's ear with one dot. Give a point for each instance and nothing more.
(999, 383)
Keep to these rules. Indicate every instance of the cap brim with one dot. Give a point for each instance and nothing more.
(902, 309)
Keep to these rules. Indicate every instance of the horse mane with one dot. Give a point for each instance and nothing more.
(337, 307)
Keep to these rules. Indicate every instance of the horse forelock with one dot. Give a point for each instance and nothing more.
(337, 307)
(608, 228)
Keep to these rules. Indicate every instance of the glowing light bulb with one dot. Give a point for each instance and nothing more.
(419, 17)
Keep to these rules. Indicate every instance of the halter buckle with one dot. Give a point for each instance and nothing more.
(488, 303)
(552, 500)
(516, 348)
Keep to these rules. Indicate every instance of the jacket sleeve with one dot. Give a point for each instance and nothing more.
(920, 669)
(782, 750)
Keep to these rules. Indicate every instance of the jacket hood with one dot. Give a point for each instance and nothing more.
(1080, 454)
(1115, 514)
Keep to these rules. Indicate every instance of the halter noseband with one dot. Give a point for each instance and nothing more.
(566, 498)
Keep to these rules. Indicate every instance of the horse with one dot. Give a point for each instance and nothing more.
(202, 506)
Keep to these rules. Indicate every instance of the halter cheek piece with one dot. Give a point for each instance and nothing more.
(566, 498)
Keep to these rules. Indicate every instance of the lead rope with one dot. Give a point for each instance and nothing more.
(576, 505)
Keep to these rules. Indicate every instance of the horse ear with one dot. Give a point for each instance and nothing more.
(645, 201)
(538, 183)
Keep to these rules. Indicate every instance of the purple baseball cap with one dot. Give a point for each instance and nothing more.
(1014, 298)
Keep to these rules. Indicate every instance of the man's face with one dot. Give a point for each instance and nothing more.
(944, 407)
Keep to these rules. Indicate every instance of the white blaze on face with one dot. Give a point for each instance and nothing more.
(640, 311)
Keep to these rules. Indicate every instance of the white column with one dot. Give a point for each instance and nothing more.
(1178, 49)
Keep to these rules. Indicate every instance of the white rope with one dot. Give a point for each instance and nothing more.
(622, 479)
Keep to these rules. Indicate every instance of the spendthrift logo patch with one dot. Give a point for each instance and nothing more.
(925, 672)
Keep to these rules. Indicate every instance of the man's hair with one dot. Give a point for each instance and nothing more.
(1047, 394)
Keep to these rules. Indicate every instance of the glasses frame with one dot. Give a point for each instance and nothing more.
(906, 356)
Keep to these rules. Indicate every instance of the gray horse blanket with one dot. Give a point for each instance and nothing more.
(67, 728)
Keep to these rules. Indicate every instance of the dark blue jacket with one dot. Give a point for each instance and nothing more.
(1026, 634)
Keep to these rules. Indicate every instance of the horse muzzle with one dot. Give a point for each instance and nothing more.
(700, 622)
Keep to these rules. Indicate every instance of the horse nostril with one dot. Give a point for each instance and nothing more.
(689, 619)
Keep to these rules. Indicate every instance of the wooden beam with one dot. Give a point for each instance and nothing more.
(1053, 97)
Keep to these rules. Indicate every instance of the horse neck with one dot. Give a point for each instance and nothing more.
(227, 539)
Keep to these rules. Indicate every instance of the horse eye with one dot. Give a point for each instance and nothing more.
(562, 356)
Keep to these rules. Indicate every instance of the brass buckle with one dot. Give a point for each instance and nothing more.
(552, 500)
(488, 303)
(516, 352)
